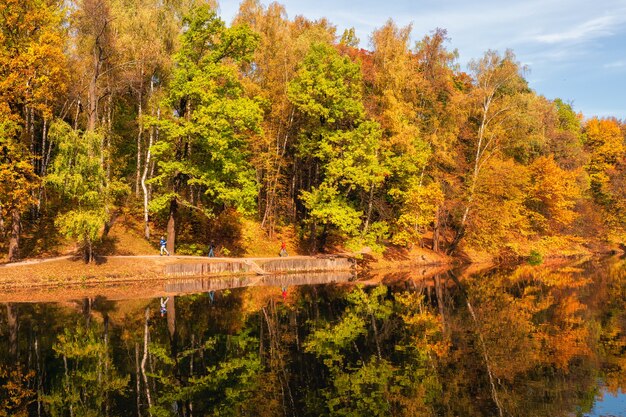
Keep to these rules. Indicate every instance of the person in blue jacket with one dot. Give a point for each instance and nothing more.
(163, 243)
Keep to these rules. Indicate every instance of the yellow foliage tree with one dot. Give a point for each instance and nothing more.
(552, 195)
(605, 141)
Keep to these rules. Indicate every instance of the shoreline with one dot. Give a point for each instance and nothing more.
(70, 270)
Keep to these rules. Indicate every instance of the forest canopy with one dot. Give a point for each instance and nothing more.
(162, 111)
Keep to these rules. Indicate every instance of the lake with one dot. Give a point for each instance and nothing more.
(517, 341)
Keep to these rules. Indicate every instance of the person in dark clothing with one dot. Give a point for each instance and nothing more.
(211, 250)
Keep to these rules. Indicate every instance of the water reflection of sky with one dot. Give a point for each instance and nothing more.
(609, 404)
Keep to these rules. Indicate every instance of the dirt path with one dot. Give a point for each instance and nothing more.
(169, 258)
(67, 271)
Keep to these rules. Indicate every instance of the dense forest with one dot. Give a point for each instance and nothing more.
(159, 110)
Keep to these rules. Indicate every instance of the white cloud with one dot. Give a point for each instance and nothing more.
(615, 64)
(594, 28)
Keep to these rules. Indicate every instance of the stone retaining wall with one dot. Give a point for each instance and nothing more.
(259, 266)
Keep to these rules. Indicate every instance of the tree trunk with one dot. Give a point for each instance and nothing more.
(42, 162)
(92, 109)
(13, 326)
(2, 227)
(370, 203)
(171, 227)
(436, 230)
(139, 136)
(14, 242)
(146, 194)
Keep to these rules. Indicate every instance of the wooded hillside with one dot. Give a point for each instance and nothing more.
(161, 111)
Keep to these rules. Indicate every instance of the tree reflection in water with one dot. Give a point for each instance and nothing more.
(524, 341)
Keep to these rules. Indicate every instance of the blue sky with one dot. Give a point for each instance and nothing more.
(574, 49)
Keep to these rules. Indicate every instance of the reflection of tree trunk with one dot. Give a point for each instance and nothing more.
(39, 375)
(261, 345)
(14, 242)
(439, 291)
(13, 327)
(380, 356)
(171, 317)
(137, 380)
(87, 311)
(146, 335)
(277, 360)
(67, 383)
(106, 362)
(494, 392)
(171, 327)
(193, 346)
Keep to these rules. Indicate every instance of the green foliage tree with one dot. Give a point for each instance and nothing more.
(78, 175)
(340, 145)
(203, 159)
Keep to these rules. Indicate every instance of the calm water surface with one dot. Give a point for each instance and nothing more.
(526, 341)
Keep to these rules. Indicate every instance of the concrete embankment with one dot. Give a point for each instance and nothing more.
(260, 266)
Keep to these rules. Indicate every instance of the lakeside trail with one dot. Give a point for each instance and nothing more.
(146, 276)
(68, 270)
(139, 277)
(142, 289)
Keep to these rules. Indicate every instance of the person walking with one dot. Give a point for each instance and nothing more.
(283, 249)
(164, 305)
(163, 243)
(211, 250)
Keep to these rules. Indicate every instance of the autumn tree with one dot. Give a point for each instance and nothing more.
(553, 195)
(96, 47)
(18, 180)
(491, 103)
(415, 97)
(605, 142)
(32, 74)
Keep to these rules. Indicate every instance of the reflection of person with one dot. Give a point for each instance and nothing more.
(211, 250)
(283, 249)
(212, 296)
(162, 243)
(284, 291)
(164, 305)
